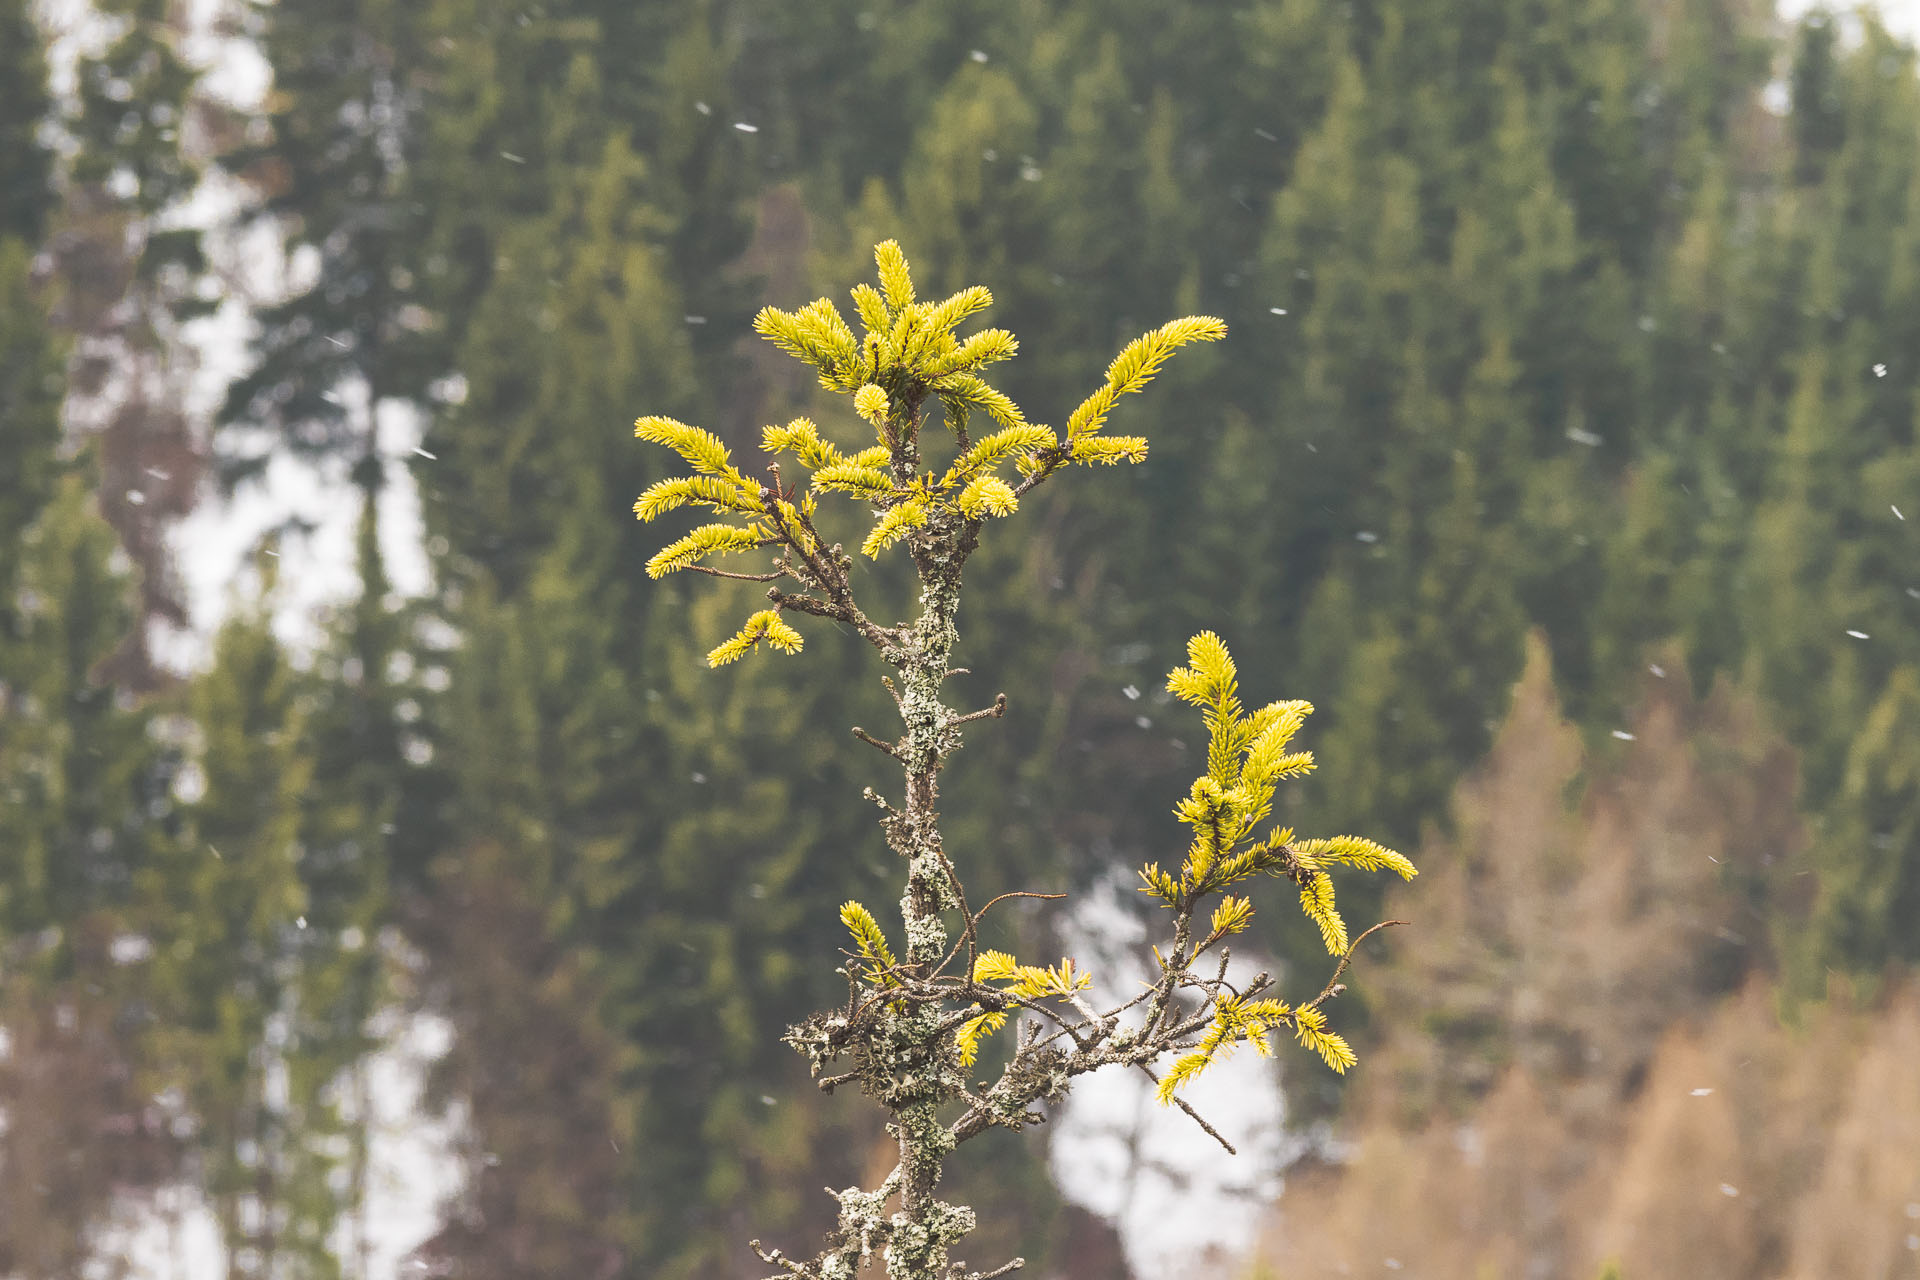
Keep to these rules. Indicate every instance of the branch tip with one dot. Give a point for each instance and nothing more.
(890, 748)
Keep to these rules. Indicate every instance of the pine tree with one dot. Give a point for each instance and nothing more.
(24, 105)
(130, 270)
(342, 130)
(910, 1029)
(86, 804)
(226, 908)
(1870, 874)
(30, 393)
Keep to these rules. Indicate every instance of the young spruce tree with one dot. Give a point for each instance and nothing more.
(915, 1020)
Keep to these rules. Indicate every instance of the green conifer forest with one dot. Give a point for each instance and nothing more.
(1561, 449)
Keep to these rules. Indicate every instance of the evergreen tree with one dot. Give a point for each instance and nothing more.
(333, 170)
(226, 910)
(131, 270)
(30, 393)
(24, 105)
(85, 790)
(1870, 871)
(909, 1051)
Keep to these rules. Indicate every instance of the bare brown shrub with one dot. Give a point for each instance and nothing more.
(1602, 1072)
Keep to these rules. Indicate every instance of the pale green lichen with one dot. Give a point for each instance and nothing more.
(919, 1248)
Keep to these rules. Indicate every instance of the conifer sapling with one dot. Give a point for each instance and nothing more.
(917, 1015)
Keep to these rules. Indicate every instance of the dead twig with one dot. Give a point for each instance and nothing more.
(994, 712)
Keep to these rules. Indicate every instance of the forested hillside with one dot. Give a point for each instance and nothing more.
(1591, 321)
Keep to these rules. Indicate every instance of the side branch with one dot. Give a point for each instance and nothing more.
(1333, 988)
(825, 571)
(710, 571)
(892, 749)
(1195, 1116)
(994, 712)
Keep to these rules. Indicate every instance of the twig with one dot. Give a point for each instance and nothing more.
(1050, 460)
(872, 741)
(710, 571)
(775, 1258)
(1015, 1265)
(1017, 893)
(1197, 1118)
(807, 604)
(1328, 991)
(994, 712)
(970, 934)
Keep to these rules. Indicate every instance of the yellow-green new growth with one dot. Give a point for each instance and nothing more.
(1026, 981)
(707, 540)
(1248, 756)
(1136, 364)
(871, 942)
(908, 355)
(894, 524)
(870, 402)
(1235, 1022)
(764, 625)
(1310, 1029)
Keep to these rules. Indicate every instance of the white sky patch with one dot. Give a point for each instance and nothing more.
(173, 1234)
(1902, 17)
(1183, 1206)
(213, 546)
(414, 1169)
(235, 71)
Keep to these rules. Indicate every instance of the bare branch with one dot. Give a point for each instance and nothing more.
(994, 712)
(1196, 1117)
(807, 604)
(1018, 893)
(1050, 460)
(1333, 983)
(712, 572)
(774, 1258)
(890, 748)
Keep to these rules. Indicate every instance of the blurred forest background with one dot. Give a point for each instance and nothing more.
(1563, 452)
